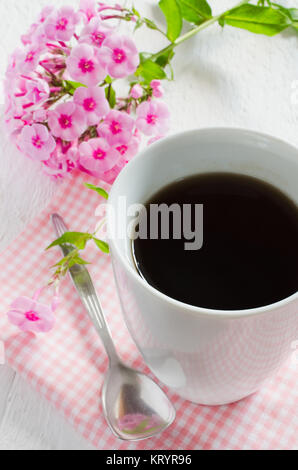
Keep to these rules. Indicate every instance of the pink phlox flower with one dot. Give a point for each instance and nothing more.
(37, 91)
(95, 33)
(31, 316)
(157, 89)
(14, 127)
(45, 13)
(97, 156)
(153, 117)
(62, 161)
(121, 56)
(61, 25)
(117, 128)
(27, 59)
(29, 36)
(36, 33)
(36, 142)
(128, 150)
(86, 65)
(67, 121)
(87, 9)
(136, 92)
(93, 102)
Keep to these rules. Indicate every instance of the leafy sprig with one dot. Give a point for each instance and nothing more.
(265, 17)
(75, 243)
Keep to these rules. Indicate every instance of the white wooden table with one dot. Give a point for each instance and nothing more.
(223, 78)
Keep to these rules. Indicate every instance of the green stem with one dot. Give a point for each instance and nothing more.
(194, 31)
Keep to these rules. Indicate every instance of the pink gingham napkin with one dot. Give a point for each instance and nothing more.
(68, 364)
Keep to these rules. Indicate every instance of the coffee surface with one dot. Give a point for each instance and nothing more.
(249, 256)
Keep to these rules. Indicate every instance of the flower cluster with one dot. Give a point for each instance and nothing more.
(61, 105)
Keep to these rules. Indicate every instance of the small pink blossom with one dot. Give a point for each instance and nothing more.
(93, 102)
(45, 13)
(128, 150)
(121, 56)
(61, 24)
(36, 142)
(31, 316)
(36, 33)
(157, 89)
(85, 65)
(97, 156)
(62, 161)
(117, 128)
(152, 118)
(67, 121)
(136, 92)
(27, 59)
(87, 9)
(28, 37)
(95, 33)
(37, 91)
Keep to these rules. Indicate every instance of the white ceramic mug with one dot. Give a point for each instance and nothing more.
(210, 357)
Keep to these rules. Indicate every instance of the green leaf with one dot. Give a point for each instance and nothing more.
(78, 260)
(78, 239)
(71, 87)
(100, 191)
(257, 19)
(293, 13)
(135, 12)
(69, 261)
(164, 59)
(139, 24)
(172, 12)
(150, 70)
(111, 95)
(103, 246)
(144, 56)
(195, 11)
(150, 24)
(108, 79)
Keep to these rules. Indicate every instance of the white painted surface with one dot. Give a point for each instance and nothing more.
(223, 78)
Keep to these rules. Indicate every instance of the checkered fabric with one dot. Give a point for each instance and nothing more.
(68, 364)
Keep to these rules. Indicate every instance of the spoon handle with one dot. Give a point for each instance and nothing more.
(85, 288)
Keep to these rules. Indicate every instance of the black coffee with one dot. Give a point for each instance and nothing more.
(249, 256)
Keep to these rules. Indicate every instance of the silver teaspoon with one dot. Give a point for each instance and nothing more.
(134, 406)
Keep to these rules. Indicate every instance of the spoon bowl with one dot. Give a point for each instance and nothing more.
(135, 407)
